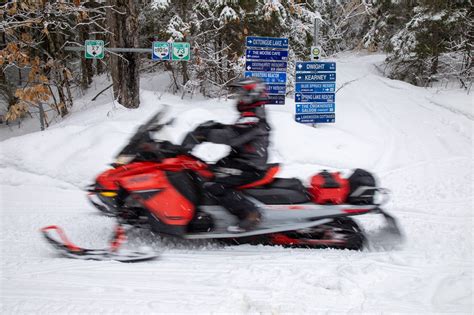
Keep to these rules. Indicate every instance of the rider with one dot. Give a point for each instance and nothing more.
(248, 138)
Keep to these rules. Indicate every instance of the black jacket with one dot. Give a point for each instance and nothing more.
(248, 139)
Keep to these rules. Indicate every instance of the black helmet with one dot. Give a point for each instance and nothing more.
(251, 93)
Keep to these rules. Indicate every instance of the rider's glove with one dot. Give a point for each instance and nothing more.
(202, 131)
(147, 147)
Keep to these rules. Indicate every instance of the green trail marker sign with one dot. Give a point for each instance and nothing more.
(181, 51)
(94, 49)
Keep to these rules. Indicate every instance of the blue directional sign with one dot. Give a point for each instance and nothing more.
(309, 66)
(315, 97)
(267, 42)
(315, 77)
(315, 108)
(266, 58)
(276, 99)
(276, 89)
(315, 87)
(268, 77)
(315, 118)
(264, 54)
(315, 92)
(274, 66)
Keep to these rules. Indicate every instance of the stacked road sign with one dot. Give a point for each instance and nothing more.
(315, 92)
(266, 58)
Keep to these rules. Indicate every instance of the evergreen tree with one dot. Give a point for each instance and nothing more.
(434, 44)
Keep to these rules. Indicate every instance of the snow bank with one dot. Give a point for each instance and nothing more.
(417, 141)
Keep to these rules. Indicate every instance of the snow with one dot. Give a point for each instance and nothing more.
(227, 14)
(417, 141)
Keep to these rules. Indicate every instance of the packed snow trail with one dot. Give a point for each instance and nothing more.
(417, 141)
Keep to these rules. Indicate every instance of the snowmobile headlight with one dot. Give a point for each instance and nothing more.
(109, 194)
(124, 159)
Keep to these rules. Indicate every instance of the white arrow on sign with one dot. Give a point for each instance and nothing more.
(249, 67)
(300, 66)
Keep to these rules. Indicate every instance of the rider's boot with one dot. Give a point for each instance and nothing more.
(248, 223)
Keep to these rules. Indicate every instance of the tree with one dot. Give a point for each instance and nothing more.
(33, 60)
(434, 44)
(123, 23)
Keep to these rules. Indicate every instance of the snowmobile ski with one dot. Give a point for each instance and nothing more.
(114, 252)
(258, 231)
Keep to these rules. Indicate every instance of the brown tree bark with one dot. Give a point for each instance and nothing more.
(86, 65)
(123, 23)
(101, 65)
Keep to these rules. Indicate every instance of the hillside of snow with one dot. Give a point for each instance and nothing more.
(418, 142)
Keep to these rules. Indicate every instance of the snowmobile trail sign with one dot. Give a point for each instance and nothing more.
(265, 66)
(276, 89)
(264, 54)
(316, 77)
(315, 87)
(94, 49)
(181, 51)
(161, 51)
(268, 77)
(266, 58)
(315, 108)
(315, 92)
(314, 97)
(315, 118)
(315, 66)
(267, 42)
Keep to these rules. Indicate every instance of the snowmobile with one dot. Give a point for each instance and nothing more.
(163, 191)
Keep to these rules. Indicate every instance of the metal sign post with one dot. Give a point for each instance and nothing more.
(316, 48)
(95, 49)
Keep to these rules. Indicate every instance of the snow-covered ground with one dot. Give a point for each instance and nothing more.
(419, 143)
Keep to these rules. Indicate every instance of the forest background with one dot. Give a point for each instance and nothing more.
(427, 43)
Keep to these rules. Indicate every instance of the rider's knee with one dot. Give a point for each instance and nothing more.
(215, 189)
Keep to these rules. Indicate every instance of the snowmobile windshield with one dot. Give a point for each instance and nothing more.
(151, 141)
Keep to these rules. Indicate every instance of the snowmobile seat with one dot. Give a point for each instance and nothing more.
(286, 183)
(282, 191)
(267, 179)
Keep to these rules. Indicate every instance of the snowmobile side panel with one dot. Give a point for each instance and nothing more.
(262, 229)
(291, 216)
(163, 199)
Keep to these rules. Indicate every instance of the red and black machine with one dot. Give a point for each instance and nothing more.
(163, 191)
